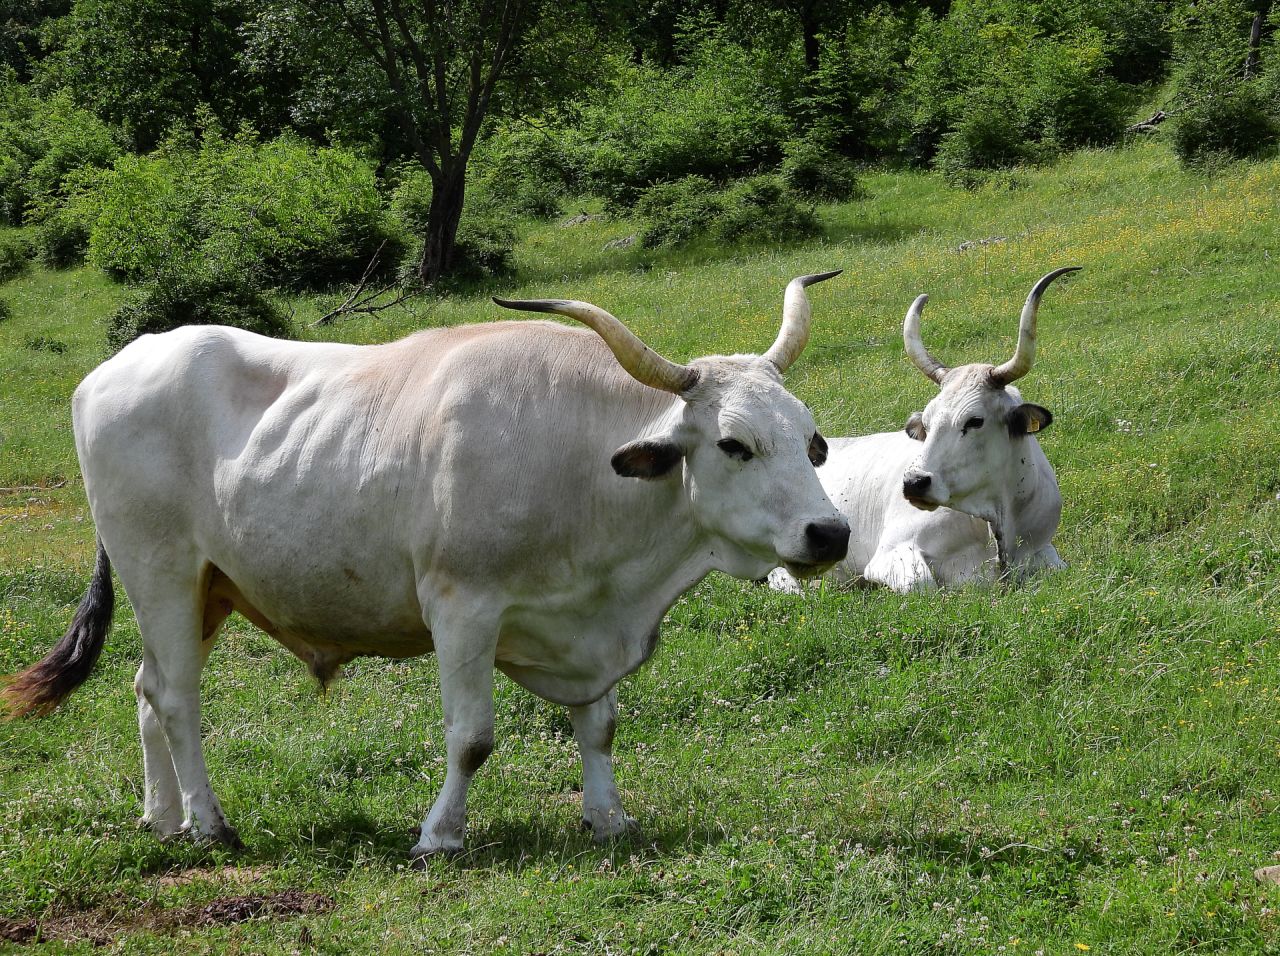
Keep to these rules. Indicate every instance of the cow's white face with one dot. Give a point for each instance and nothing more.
(747, 450)
(972, 436)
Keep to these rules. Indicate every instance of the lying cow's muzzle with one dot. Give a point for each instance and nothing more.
(916, 489)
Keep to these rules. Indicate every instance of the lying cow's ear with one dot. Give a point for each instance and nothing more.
(915, 426)
(646, 458)
(1027, 419)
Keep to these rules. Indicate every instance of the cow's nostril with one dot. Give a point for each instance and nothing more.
(827, 540)
(916, 485)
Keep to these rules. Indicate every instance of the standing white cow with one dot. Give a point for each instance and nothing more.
(466, 490)
(965, 493)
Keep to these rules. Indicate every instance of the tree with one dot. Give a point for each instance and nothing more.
(442, 68)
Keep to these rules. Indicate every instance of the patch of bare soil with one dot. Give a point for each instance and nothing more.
(101, 926)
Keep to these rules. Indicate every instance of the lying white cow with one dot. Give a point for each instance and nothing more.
(965, 493)
(470, 490)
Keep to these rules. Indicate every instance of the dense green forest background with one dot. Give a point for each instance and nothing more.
(217, 152)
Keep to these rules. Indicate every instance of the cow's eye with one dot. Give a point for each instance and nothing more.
(818, 450)
(974, 422)
(735, 449)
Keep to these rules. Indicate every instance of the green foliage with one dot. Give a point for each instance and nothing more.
(1235, 122)
(852, 101)
(815, 171)
(997, 93)
(196, 297)
(15, 255)
(146, 65)
(286, 212)
(523, 169)
(62, 239)
(6, 310)
(717, 116)
(43, 143)
(760, 208)
(1222, 114)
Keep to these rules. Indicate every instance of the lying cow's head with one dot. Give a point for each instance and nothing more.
(972, 430)
(744, 447)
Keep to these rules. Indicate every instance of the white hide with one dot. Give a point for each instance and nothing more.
(450, 492)
(900, 546)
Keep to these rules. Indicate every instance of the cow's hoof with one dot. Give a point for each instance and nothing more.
(613, 826)
(164, 828)
(421, 855)
(219, 834)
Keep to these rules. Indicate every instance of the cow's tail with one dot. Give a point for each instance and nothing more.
(46, 684)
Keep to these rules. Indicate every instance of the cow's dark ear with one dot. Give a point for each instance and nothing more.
(1027, 419)
(915, 426)
(646, 458)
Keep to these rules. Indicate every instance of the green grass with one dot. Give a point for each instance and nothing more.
(1093, 759)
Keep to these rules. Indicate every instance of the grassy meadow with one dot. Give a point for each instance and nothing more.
(1088, 763)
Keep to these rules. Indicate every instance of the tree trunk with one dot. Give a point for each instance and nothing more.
(448, 194)
(1255, 41)
(809, 26)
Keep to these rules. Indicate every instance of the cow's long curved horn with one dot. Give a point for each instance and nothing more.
(916, 351)
(641, 362)
(794, 334)
(1025, 354)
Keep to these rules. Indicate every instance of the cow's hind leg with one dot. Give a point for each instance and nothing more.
(593, 726)
(170, 613)
(466, 655)
(162, 799)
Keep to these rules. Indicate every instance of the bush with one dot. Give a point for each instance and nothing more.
(678, 212)
(1222, 116)
(62, 240)
(719, 115)
(812, 170)
(42, 143)
(15, 255)
(285, 212)
(1231, 123)
(6, 310)
(196, 298)
(763, 208)
(525, 171)
(999, 93)
(759, 208)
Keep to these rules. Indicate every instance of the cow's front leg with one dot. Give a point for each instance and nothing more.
(593, 726)
(466, 689)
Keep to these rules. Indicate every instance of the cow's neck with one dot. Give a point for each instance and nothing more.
(1018, 514)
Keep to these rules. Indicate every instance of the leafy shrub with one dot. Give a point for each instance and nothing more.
(6, 310)
(983, 139)
(720, 114)
(1231, 123)
(411, 199)
(285, 211)
(524, 170)
(485, 239)
(1222, 116)
(762, 207)
(42, 343)
(42, 143)
(196, 298)
(15, 255)
(816, 172)
(62, 239)
(999, 92)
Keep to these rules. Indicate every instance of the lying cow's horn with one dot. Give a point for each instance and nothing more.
(1025, 354)
(916, 351)
(641, 362)
(794, 334)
